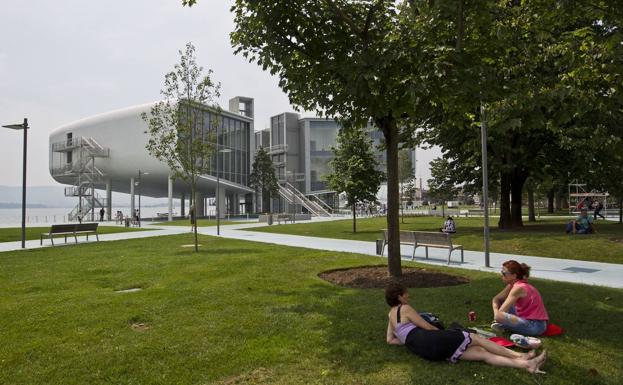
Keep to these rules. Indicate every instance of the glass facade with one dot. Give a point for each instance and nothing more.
(233, 146)
(322, 136)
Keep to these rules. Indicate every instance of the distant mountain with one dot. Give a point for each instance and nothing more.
(36, 196)
(54, 196)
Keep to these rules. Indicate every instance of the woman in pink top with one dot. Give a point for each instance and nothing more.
(406, 327)
(519, 307)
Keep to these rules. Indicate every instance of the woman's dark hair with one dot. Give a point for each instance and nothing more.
(522, 271)
(392, 291)
(449, 218)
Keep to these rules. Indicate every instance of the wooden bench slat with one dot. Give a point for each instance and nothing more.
(425, 239)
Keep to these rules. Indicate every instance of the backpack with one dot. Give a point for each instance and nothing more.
(433, 320)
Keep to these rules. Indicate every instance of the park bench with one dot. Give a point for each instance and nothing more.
(285, 218)
(476, 212)
(425, 239)
(74, 229)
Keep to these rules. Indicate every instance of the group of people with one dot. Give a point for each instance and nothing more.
(517, 308)
(128, 220)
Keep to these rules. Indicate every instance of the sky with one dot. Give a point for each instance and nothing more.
(65, 60)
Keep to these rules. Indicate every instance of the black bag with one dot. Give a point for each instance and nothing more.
(433, 320)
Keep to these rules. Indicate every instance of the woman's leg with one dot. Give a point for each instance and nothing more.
(496, 349)
(478, 353)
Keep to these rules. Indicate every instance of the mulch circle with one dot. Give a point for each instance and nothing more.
(376, 277)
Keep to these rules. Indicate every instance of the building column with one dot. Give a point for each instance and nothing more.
(109, 200)
(182, 205)
(222, 203)
(170, 196)
(199, 205)
(132, 197)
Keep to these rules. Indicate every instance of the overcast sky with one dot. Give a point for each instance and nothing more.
(65, 60)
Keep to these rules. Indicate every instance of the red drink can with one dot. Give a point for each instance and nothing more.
(471, 316)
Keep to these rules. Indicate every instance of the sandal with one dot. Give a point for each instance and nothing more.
(525, 342)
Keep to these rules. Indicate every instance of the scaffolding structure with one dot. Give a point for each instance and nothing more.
(77, 164)
(578, 196)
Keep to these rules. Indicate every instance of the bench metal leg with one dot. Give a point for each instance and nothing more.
(449, 255)
(413, 255)
(426, 247)
(98, 239)
(87, 236)
(383, 249)
(52, 239)
(462, 255)
(41, 241)
(75, 237)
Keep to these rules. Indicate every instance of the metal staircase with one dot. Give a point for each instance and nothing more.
(82, 173)
(294, 196)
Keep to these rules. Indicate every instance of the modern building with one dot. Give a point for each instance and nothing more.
(300, 148)
(107, 152)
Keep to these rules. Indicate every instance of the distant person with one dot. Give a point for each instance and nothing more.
(449, 226)
(519, 307)
(102, 212)
(192, 216)
(406, 327)
(582, 224)
(598, 207)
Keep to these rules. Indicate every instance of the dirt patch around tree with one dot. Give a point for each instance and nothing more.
(376, 277)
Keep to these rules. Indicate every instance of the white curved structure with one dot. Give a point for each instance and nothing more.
(107, 151)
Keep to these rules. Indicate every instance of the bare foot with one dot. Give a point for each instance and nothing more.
(529, 355)
(534, 365)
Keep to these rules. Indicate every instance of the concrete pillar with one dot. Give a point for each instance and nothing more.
(222, 202)
(170, 196)
(109, 200)
(200, 208)
(131, 197)
(182, 204)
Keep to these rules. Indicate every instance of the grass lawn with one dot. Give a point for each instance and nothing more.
(200, 223)
(12, 234)
(248, 313)
(546, 238)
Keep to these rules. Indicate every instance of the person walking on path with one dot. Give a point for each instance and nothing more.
(598, 207)
(518, 307)
(102, 212)
(406, 327)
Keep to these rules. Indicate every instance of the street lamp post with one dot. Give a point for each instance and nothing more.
(23, 126)
(485, 183)
(218, 186)
(140, 186)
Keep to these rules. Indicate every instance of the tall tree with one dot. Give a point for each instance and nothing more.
(181, 132)
(405, 175)
(353, 169)
(352, 60)
(442, 185)
(263, 178)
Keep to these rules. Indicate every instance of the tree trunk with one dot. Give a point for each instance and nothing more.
(517, 183)
(505, 206)
(621, 210)
(354, 219)
(390, 131)
(558, 201)
(531, 214)
(402, 208)
(550, 201)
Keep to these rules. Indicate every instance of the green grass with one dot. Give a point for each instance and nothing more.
(546, 238)
(200, 222)
(247, 313)
(12, 234)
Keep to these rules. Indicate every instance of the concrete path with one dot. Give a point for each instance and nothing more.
(585, 272)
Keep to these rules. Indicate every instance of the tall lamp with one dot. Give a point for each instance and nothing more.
(23, 126)
(139, 194)
(218, 186)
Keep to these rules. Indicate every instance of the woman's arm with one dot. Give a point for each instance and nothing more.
(416, 319)
(513, 296)
(391, 338)
(500, 298)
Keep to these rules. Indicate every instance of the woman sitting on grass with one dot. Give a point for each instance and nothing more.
(519, 307)
(407, 327)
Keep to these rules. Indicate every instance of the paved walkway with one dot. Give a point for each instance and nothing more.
(592, 273)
